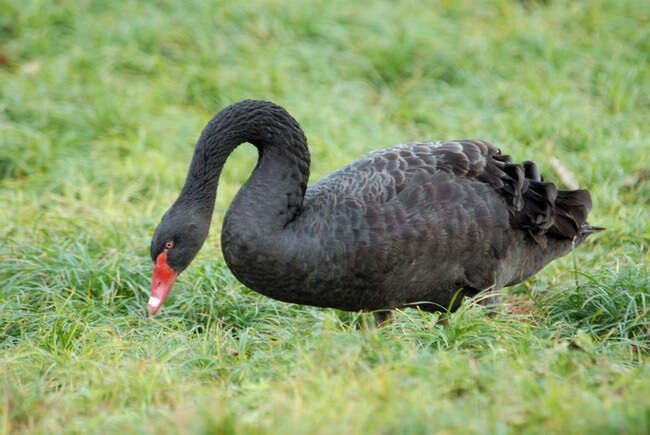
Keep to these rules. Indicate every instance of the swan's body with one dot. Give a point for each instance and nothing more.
(405, 224)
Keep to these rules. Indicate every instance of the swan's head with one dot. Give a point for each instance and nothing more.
(174, 245)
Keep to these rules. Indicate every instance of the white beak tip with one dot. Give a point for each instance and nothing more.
(154, 302)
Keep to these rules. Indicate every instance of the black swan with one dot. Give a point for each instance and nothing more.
(421, 224)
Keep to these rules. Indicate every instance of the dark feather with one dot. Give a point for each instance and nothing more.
(405, 224)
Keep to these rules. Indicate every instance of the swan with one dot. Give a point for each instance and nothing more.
(421, 223)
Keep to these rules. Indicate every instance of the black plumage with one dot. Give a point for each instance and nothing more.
(410, 223)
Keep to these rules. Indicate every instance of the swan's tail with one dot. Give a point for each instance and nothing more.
(545, 210)
(537, 206)
(571, 210)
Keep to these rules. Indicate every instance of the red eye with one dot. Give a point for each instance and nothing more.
(169, 245)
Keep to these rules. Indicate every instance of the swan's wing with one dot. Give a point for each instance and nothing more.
(424, 174)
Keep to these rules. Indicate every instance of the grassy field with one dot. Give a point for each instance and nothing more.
(100, 106)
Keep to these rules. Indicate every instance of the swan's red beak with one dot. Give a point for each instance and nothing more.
(162, 282)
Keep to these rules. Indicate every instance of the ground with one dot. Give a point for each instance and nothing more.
(100, 106)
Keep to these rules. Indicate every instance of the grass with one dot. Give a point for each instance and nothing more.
(100, 104)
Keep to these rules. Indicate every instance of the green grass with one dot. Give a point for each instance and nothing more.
(100, 105)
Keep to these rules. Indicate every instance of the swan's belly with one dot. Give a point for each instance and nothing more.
(367, 273)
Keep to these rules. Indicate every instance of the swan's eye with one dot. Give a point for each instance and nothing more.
(169, 245)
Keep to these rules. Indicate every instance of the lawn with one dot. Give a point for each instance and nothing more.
(100, 106)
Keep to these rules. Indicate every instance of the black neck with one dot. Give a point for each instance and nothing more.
(274, 193)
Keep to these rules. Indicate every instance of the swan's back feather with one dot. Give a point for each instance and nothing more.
(535, 206)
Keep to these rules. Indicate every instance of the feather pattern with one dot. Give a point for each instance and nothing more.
(412, 223)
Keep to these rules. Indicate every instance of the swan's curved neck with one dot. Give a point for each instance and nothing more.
(273, 194)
